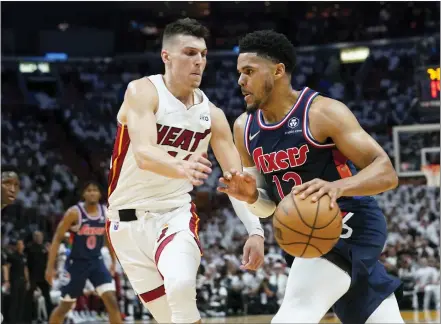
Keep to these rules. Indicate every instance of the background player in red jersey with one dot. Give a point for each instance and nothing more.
(280, 119)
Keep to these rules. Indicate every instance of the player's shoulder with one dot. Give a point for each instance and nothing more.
(72, 210)
(142, 87)
(215, 111)
(240, 122)
(325, 107)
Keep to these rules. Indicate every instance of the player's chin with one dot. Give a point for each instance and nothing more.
(9, 199)
(251, 108)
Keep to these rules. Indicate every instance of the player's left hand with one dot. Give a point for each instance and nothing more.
(318, 188)
(253, 253)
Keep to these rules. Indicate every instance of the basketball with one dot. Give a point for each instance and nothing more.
(306, 229)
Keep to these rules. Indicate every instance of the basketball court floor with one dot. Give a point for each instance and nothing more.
(409, 317)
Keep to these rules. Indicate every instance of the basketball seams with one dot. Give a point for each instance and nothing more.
(312, 245)
(336, 214)
(297, 232)
(313, 226)
(298, 212)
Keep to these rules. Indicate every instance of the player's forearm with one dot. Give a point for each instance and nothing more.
(377, 177)
(5, 272)
(156, 160)
(53, 252)
(249, 220)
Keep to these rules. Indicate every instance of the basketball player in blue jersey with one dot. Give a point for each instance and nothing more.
(86, 222)
(303, 143)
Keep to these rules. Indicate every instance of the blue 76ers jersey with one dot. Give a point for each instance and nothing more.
(87, 237)
(287, 155)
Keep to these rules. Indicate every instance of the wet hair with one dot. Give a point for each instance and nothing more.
(185, 26)
(270, 45)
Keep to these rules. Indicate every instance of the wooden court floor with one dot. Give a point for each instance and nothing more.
(408, 316)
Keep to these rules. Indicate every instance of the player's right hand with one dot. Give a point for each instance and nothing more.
(239, 185)
(197, 168)
(49, 275)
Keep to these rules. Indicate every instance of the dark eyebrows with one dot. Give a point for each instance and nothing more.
(195, 48)
(246, 67)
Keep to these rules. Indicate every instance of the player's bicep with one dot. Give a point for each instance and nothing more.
(69, 219)
(238, 130)
(348, 135)
(140, 103)
(222, 142)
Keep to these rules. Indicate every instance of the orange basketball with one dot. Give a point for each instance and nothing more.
(306, 229)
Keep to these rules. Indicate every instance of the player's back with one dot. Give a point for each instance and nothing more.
(181, 132)
(87, 236)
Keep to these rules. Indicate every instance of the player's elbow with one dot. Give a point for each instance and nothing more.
(142, 160)
(394, 180)
(391, 176)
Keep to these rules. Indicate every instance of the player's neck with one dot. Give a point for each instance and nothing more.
(279, 104)
(183, 93)
(90, 208)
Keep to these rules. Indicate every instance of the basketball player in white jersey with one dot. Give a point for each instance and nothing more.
(165, 125)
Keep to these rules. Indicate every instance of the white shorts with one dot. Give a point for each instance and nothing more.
(138, 245)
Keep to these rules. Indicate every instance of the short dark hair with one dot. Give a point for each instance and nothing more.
(185, 26)
(89, 183)
(271, 45)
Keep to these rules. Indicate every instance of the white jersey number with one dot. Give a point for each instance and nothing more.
(349, 230)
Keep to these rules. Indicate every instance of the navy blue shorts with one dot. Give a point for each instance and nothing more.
(77, 271)
(365, 234)
(370, 283)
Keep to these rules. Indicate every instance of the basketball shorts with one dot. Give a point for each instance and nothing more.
(138, 238)
(358, 252)
(77, 271)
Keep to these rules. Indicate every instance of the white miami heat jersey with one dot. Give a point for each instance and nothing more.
(181, 132)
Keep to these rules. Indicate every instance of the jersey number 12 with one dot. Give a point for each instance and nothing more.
(288, 176)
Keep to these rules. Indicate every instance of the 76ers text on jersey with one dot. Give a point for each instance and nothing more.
(281, 160)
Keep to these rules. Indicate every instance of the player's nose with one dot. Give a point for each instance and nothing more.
(241, 81)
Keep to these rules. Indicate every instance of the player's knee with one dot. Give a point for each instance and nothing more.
(109, 298)
(160, 309)
(181, 297)
(296, 310)
(178, 290)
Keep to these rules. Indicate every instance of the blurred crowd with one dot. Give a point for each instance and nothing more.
(137, 27)
(58, 129)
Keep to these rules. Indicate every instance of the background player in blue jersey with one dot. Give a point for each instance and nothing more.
(302, 143)
(86, 222)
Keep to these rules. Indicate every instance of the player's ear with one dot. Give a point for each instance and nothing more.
(279, 71)
(165, 56)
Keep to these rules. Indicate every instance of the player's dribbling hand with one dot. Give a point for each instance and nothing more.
(318, 188)
(253, 253)
(239, 185)
(197, 168)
